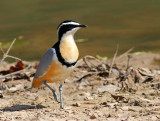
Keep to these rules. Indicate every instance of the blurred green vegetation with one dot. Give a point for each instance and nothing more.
(127, 23)
(7, 44)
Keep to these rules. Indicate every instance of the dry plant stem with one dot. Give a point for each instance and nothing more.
(86, 61)
(124, 54)
(2, 50)
(128, 71)
(114, 58)
(88, 56)
(128, 62)
(5, 55)
(17, 72)
(83, 77)
(126, 83)
(14, 57)
(10, 46)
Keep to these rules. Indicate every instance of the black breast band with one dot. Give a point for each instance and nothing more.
(60, 58)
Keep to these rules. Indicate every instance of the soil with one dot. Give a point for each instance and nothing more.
(91, 93)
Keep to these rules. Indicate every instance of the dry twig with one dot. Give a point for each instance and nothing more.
(125, 53)
(128, 62)
(113, 61)
(5, 55)
(85, 59)
(83, 77)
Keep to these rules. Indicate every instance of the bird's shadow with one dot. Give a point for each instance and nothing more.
(22, 107)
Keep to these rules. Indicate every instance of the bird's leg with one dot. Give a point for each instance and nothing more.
(53, 91)
(60, 92)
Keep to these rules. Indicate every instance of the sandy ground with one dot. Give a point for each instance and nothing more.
(89, 93)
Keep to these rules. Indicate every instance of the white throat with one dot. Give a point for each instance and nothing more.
(68, 38)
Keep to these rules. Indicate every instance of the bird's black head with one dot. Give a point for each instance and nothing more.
(68, 26)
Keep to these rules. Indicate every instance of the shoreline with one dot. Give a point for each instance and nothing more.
(129, 92)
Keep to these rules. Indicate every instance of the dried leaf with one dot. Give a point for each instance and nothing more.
(19, 66)
(145, 72)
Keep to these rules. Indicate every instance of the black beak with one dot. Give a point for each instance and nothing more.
(82, 25)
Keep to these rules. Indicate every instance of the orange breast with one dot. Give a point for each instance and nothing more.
(56, 72)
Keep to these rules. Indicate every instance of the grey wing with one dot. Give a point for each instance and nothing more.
(45, 61)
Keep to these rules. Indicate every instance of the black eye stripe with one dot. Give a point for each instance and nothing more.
(64, 28)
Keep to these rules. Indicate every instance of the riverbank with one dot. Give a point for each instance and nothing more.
(127, 88)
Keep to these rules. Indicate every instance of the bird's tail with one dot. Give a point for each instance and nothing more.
(37, 83)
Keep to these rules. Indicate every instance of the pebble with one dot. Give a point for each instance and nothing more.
(133, 102)
(88, 98)
(19, 87)
(116, 72)
(101, 67)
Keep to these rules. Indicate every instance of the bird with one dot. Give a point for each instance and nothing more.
(60, 60)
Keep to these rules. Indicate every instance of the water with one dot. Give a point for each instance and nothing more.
(128, 23)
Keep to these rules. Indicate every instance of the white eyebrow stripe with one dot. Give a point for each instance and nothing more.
(73, 23)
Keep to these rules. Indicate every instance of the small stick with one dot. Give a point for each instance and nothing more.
(85, 60)
(16, 58)
(128, 62)
(2, 50)
(113, 60)
(5, 55)
(10, 46)
(83, 77)
(125, 53)
(88, 56)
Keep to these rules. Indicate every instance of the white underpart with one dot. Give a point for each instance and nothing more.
(73, 23)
